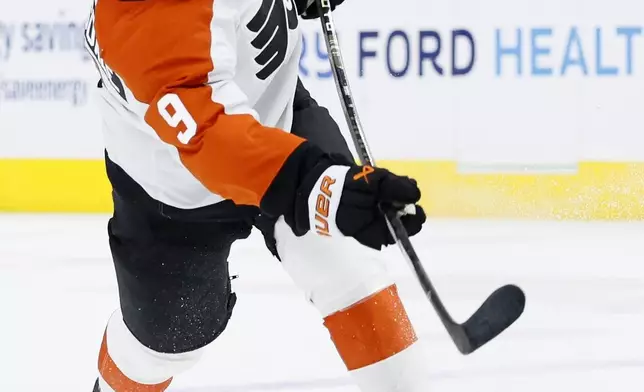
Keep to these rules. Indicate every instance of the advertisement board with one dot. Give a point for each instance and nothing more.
(499, 108)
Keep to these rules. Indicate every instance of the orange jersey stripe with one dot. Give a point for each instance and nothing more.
(162, 51)
(371, 330)
(119, 381)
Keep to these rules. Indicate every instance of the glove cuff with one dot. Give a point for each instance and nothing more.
(280, 196)
(324, 200)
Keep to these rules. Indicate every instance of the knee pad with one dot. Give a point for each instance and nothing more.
(138, 362)
(182, 328)
(334, 272)
(173, 299)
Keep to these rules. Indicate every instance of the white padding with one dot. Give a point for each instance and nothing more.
(334, 272)
(139, 363)
(324, 201)
(407, 371)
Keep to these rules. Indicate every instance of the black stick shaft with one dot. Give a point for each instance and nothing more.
(357, 134)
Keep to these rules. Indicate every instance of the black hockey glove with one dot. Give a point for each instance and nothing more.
(308, 9)
(349, 200)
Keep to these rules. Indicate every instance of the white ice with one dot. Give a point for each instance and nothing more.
(583, 328)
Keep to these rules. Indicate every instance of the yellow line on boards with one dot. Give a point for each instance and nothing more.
(597, 190)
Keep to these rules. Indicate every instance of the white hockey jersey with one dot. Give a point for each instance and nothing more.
(197, 94)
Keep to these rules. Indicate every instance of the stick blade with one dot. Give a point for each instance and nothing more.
(500, 310)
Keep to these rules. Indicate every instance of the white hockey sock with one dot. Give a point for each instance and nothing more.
(406, 371)
(126, 365)
(366, 319)
(378, 344)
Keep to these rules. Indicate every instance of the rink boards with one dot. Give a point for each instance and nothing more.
(592, 191)
(500, 110)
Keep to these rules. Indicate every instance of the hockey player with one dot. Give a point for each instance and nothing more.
(209, 132)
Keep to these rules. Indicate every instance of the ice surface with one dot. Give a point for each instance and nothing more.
(583, 328)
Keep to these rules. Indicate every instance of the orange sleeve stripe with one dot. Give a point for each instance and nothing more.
(232, 155)
(372, 330)
(164, 47)
(118, 381)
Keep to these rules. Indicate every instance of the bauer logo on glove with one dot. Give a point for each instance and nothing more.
(326, 199)
(322, 206)
(350, 201)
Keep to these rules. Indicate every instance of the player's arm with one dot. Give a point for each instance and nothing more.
(165, 53)
(179, 60)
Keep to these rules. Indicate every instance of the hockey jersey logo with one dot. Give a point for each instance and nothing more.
(272, 23)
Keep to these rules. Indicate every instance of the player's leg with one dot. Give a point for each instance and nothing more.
(174, 288)
(348, 284)
(362, 311)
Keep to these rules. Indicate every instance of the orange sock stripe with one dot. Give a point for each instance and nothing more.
(119, 381)
(371, 330)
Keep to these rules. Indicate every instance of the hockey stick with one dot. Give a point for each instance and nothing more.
(501, 308)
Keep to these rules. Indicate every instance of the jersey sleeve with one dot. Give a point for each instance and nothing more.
(179, 58)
